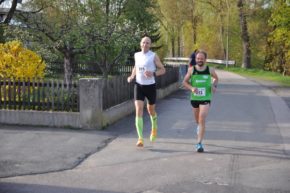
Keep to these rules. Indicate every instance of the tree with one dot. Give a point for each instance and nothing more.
(278, 55)
(258, 13)
(116, 29)
(221, 9)
(245, 35)
(60, 25)
(172, 16)
(198, 24)
(101, 31)
(8, 18)
(194, 20)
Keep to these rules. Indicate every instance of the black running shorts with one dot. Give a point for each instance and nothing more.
(195, 104)
(148, 91)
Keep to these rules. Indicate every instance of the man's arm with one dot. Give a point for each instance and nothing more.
(160, 68)
(132, 76)
(215, 79)
(186, 79)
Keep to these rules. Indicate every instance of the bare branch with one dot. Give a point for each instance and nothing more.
(32, 12)
(216, 7)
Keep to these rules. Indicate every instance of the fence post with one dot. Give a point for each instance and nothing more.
(91, 103)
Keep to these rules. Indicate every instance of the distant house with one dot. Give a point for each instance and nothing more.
(3, 13)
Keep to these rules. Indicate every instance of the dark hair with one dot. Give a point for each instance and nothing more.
(201, 52)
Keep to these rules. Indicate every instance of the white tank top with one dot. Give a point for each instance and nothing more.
(144, 61)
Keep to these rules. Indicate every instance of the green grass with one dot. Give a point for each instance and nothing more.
(258, 74)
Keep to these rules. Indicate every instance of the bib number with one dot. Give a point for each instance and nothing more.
(200, 92)
(142, 69)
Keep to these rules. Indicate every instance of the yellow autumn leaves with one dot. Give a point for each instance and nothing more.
(19, 62)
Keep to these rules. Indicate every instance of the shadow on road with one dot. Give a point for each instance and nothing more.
(28, 188)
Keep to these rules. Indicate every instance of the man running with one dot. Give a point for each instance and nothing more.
(147, 66)
(202, 81)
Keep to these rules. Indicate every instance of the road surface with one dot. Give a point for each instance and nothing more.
(247, 150)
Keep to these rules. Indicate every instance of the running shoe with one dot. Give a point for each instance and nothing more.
(140, 143)
(199, 147)
(153, 135)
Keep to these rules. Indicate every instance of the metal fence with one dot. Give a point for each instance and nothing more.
(116, 89)
(42, 95)
(55, 95)
(56, 70)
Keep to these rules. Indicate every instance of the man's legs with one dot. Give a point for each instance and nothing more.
(139, 105)
(196, 116)
(151, 99)
(200, 115)
(153, 118)
(203, 112)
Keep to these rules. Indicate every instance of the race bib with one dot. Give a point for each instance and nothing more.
(200, 92)
(142, 69)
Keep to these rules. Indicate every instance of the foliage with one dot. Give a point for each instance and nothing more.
(200, 24)
(101, 32)
(19, 62)
(207, 21)
(4, 21)
(36, 44)
(173, 16)
(116, 29)
(279, 39)
(258, 29)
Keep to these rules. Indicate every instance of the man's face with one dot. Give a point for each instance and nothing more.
(145, 44)
(200, 59)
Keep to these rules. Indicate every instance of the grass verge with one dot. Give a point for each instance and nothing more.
(258, 74)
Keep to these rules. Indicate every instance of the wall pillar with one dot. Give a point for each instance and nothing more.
(91, 103)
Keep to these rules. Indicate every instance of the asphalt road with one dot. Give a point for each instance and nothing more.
(247, 150)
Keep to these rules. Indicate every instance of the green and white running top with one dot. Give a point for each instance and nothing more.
(202, 81)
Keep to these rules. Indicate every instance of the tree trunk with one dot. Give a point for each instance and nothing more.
(7, 19)
(68, 60)
(245, 36)
(106, 66)
(193, 22)
(173, 46)
(105, 74)
(222, 34)
(11, 12)
(2, 39)
(179, 45)
(268, 56)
